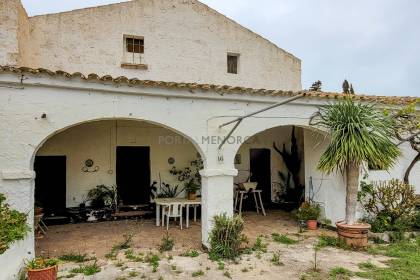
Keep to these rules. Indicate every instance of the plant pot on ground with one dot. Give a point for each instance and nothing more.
(309, 212)
(41, 269)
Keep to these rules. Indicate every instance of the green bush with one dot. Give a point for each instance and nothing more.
(13, 225)
(308, 211)
(390, 205)
(226, 238)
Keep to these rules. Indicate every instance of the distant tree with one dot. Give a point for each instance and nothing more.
(346, 87)
(316, 86)
(351, 89)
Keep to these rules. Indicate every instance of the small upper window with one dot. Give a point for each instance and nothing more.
(134, 45)
(232, 63)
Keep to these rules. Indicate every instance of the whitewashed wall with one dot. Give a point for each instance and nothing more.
(98, 141)
(194, 114)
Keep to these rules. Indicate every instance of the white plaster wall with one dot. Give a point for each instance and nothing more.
(98, 141)
(398, 170)
(194, 114)
(328, 190)
(185, 41)
(265, 140)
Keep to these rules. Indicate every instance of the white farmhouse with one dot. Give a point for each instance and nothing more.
(120, 94)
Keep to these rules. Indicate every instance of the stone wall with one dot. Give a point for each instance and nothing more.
(185, 41)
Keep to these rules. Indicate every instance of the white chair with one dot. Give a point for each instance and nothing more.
(173, 210)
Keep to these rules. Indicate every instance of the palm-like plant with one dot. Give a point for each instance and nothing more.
(359, 133)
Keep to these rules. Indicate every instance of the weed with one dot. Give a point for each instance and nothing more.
(73, 257)
(330, 241)
(87, 269)
(153, 260)
(340, 273)
(198, 273)
(167, 243)
(129, 254)
(191, 254)
(133, 274)
(259, 245)
(276, 259)
(283, 239)
(244, 270)
(220, 265)
(227, 274)
(71, 275)
(366, 265)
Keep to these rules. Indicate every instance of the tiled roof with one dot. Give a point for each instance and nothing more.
(221, 89)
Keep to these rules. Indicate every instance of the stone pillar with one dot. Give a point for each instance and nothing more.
(217, 197)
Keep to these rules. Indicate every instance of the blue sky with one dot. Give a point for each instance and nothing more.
(373, 43)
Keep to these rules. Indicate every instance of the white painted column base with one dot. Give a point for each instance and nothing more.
(217, 197)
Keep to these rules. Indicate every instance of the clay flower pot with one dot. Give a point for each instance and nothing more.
(192, 196)
(49, 273)
(355, 236)
(312, 224)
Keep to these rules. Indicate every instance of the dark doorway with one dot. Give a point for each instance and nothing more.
(260, 167)
(133, 175)
(50, 184)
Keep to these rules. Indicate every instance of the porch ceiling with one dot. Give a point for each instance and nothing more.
(220, 89)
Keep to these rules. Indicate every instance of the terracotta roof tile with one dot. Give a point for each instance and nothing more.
(220, 89)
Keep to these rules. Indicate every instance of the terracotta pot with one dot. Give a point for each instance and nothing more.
(355, 236)
(49, 273)
(192, 196)
(312, 224)
(38, 210)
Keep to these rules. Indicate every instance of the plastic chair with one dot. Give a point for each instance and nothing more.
(173, 210)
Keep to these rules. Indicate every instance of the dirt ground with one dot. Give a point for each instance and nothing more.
(97, 240)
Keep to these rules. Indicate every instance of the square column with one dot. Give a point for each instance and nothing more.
(217, 197)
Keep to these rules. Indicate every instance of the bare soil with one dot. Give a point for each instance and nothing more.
(294, 260)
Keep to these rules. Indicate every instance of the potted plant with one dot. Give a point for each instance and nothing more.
(191, 189)
(40, 269)
(309, 212)
(358, 134)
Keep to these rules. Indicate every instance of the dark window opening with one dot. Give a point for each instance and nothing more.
(135, 45)
(232, 63)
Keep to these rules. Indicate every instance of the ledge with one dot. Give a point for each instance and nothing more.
(17, 174)
(218, 172)
(134, 66)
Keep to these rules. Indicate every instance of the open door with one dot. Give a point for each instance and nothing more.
(50, 184)
(133, 175)
(260, 167)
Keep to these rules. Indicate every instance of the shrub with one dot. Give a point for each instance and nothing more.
(387, 203)
(13, 225)
(226, 238)
(308, 211)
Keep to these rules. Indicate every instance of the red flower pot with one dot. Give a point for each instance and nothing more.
(49, 273)
(312, 224)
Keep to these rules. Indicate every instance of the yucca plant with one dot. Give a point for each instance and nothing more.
(359, 133)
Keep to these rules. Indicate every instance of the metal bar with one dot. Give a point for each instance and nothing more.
(265, 109)
(230, 133)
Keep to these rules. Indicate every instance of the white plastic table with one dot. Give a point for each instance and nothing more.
(161, 202)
